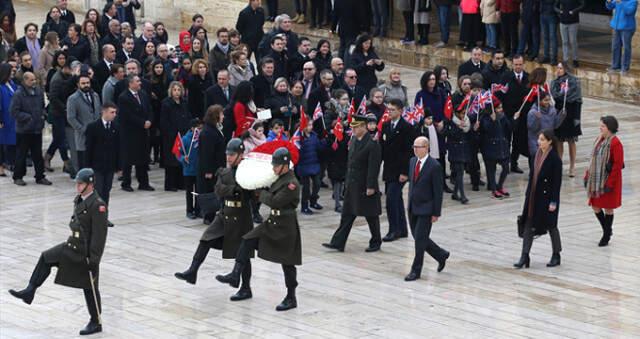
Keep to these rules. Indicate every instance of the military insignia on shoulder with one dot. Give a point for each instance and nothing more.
(102, 208)
(291, 186)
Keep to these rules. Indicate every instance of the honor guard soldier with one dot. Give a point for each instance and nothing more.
(77, 259)
(229, 225)
(278, 238)
(361, 193)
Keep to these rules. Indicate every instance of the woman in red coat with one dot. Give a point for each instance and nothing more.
(603, 179)
(244, 109)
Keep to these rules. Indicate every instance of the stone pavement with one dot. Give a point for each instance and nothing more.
(593, 294)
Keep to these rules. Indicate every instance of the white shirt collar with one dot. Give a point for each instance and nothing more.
(132, 92)
(423, 161)
(104, 122)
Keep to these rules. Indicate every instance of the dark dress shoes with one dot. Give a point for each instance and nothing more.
(307, 211)
(19, 182)
(191, 215)
(91, 328)
(43, 181)
(333, 247)
(110, 224)
(412, 276)
(447, 189)
(242, 294)
(516, 169)
(316, 206)
(443, 262)
(390, 237)
(372, 249)
(146, 188)
(26, 295)
(189, 276)
(287, 304)
(127, 188)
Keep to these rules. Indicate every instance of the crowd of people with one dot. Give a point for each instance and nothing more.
(116, 101)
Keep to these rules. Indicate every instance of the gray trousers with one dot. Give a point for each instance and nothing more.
(73, 150)
(527, 239)
(569, 35)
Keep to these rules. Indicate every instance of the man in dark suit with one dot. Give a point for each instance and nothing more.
(474, 64)
(297, 60)
(361, 194)
(103, 150)
(65, 13)
(279, 56)
(249, 24)
(321, 94)
(112, 36)
(102, 70)
(135, 121)
(126, 52)
(220, 93)
(350, 18)
(397, 135)
(132, 67)
(263, 82)
(350, 85)
(109, 13)
(124, 12)
(147, 35)
(518, 82)
(425, 204)
(309, 78)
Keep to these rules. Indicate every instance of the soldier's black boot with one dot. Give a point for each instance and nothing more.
(245, 290)
(232, 278)
(555, 260)
(26, 295)
(191, 274)
(289, 301)
(523, 262)
(91, 328)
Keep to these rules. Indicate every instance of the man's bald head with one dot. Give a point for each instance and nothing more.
(421, 147)
(337, 65)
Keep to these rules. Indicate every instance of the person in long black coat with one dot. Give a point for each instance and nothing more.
(220, 93)
(211, 154)
(249, 24)
(349, 21)
(542, 200)
(512, 101)
(135, 116)
(458, 131)
(396, 143)
(366, 62)
(197, 85)
(159, 81)
(495, 130)
(361, 194)
(174, 118)
(263, 83)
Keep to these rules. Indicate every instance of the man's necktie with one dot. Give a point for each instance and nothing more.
(416, 171)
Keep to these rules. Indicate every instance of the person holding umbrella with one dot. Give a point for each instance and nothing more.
(78, 258)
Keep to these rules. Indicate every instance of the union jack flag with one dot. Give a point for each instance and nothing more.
(362, 109)
(564, 86)
(296, 139)
(420, 107)
(195, 141)
(483, 99)
(499, 88)
(411, 116)
(317, 113)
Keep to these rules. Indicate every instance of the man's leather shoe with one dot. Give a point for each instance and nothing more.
(127, 188)
(316, 206)
(446, 189)
(287, 304)
(110, 224)
(412, 276)
(26, 295)
(19, 182)
(191, 216)
(91, 328)
(372, 249)
(390, 237)
(443, 262)
(306, 211)
(516, 169)
(43, 181)
(475, 188)
(333, 247)
(242, 294)
(146, 188)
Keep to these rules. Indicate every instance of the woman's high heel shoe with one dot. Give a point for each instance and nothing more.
(523, 262)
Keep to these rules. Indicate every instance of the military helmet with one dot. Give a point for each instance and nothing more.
(235, 146)
(281, 157)
(85, 176)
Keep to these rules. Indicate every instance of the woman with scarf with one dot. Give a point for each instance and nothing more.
(184, 42)
(198, 51)
(442, 73)
(280, 103)
(603, 179)
(394, 89)
(566, 91)
(184, 71)
(90, 31)
(239, 69)
(542, 199)
(458, 133)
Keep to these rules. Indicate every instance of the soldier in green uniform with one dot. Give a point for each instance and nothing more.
(278, 238)
(77, 259)
(361, 193)
(229, 225)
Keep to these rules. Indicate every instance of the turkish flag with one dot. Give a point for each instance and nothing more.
(177, 145)
(448, 108)
(352, 110)
(304, 120)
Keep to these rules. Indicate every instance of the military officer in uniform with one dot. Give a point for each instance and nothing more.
(77, 259)
(278, 238)
(229, 225)
(361, 193)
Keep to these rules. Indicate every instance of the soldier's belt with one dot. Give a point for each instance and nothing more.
(234, 204)
(277, 213)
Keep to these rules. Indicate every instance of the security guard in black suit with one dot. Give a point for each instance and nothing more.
(361, 193)
(229, 225)
(277, 239)
(77, 259)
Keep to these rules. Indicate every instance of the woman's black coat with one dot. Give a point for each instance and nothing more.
(367, 78)
(174, 118)
(547, 191)
(196, 88)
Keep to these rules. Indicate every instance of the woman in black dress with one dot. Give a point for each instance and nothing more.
(198, 83)
(159, 80)
(542, 199)
(174, 119)
(566, 91)
(366, 62)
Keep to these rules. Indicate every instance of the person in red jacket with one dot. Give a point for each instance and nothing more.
(244, 109)
(603, 178)
(509, 19)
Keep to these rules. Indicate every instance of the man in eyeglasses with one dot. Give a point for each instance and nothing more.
(350, 85)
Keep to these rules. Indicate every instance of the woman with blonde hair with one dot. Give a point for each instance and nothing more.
(394, 89)
(174, 119)
(239, 69)
(197, 84)
(45, 60)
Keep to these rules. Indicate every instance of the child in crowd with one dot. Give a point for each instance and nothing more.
(189, 161)
(308, 169)
(495, 129)
(277, 131)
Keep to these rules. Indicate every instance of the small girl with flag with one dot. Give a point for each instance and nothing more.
(188, 158)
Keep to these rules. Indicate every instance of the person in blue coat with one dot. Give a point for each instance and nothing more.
(623, 23)
(308, 169)
(7, 123)
(189, 161)
(458, 133)
(495, 129)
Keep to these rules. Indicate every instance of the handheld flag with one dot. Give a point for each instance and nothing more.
(410, 115)
(317, 113)
(177, 146)
(304, 120)
(448, 108)
(338, 130)
(464, 103)
(535, 91)
(383, 119)
(419, 108)
(362, 109)
(296, 139)
(499, 88)
(564, 86)
(352, 110)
